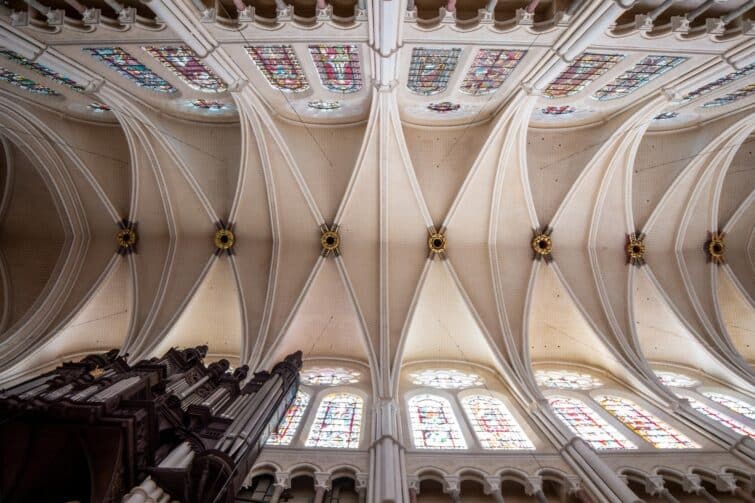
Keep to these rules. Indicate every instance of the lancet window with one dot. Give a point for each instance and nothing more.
(722, 418)
(434, 425)
(676, 380)
(648, 69)
(489, 70)
(718, 83)
(129, 67)
(338, 66)
(338, 422)
(735, 404)
(583, 70)
(186, 65)
(42, 70)
(281, 67)
(588, 424)
(727, 99)
(657, 432)
(24, 83)
(284, 433)
(493, 424)
(431, 69)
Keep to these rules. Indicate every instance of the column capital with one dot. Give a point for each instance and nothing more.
(283, 479)
(691, 483)
(322, 480)
(533, 485)
(451, 484)
(412, 482)
(360, 481)
(573, 484)
(725, 482)
(654, 485)
(492, 485)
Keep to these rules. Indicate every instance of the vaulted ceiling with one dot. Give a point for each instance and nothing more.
(387, 166)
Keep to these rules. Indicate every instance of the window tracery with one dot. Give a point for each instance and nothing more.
(654, 430)
(24, 83)
(338, 66)
(96, 106)
(446, 379)
(202, 104)
(735, 404)
(327, 376)
(588, 425)
(665, 116)
(676, 380)
(281, 67)
(338, 422)
(648, 69)
(129, 67)
(712, 86)
(725, 420)
(42, 70)
(489, 70)
(325, 105)
(560, 110)
(582, 71)
(184, 64)
(493, 424)
(566, 379)
(431, 69)
(434, 424)
(284, 433)
(731, 97)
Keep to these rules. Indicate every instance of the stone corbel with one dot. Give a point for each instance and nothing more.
(325, 14)
(573, 484)
(691, 483)
(715, 26)
(55, 17)
(360, 14)
(284, 14)
(19, 18)
(411, 15)
(485, 16)
(361, 481)
(91, 17)
(447, 16)
(492, 485)
(283, 479)
(748, 28)
(208, 16)
(451, 487)
(412, 482)
(127, 15)
(561, 18)
(643, 22)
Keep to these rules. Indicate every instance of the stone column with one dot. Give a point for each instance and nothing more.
(360, 484)
(322, 484)
(282, 482)
(493, 488)
(451, 487)
(412, 483)
(389, 476)
(534, 487)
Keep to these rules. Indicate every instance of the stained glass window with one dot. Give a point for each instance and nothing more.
(648, 69)
(42, 70)
(17, 80)
(582, 71)
(98, 107)
(493, 424)
(326, 105)
(186, 65)
(446, 379)
(659, 433)
(565, 379)
(712, 86)
(489, 69)
(129, 67)
(431, 69)
(209, 105)
(721, 418)
(338, 422)
(676, 380)
(290, 422)
(443, 107)
(727, 99)
(665, 115)
(434, 424)
(338, 66)
(329, 376)
(279, 64)
(588, 425)
(735, 404)
(561, 110)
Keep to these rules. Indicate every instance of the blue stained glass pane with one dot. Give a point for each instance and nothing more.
(286, 429)
(42, 70)
(431, 69)
(718, 83)
(640, 74)
(186, 65)
(129, 67)
(731, 97)
(338, 422)
(22, 82)
(489, 70)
